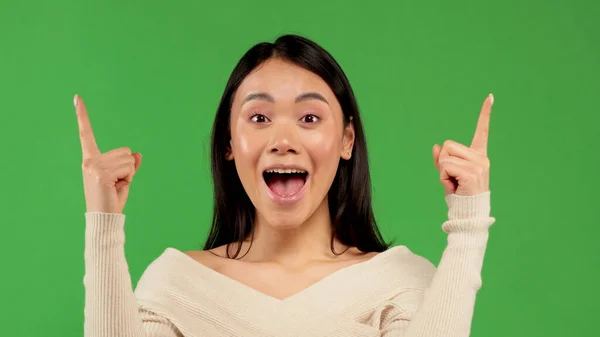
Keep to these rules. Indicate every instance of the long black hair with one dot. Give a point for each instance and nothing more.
(349, 197)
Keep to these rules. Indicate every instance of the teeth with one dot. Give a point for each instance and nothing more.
(285, 171)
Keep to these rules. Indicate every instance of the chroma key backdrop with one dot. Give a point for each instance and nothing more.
(152, 72)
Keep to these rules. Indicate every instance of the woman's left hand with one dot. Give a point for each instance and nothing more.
(465, 170)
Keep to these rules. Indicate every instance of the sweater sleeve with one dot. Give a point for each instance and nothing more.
(110, 305)
(449, 301)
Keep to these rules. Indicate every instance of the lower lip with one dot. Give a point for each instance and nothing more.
(290, 199)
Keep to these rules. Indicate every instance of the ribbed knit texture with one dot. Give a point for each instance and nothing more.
(395, 294)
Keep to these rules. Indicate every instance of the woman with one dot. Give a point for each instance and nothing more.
(294, 249)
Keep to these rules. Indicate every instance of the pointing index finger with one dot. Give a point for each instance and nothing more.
(89, 147)
(480, 139)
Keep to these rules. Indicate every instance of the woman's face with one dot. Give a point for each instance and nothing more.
(287, 138)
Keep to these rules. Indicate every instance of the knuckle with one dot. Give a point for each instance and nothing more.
(100, 175)
(476, 171)
(120, 150)
(95, 167)
(88, 163)
(448, 143)
(99, 171)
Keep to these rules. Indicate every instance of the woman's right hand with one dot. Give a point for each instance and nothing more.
(106, 176)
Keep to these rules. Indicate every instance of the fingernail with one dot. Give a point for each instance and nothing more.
(491, 99)
(75, 99)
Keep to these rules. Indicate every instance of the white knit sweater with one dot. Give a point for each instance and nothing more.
(394, 294)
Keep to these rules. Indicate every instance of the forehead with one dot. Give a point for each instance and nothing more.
(283, 80)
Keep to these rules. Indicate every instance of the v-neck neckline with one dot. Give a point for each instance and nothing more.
(220, 277)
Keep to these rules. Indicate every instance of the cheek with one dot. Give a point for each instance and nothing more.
(247, 148)
(241, 141)
(324, 149)
(243, 145)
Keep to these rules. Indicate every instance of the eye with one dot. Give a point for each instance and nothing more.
(309, 119)
(258, 118)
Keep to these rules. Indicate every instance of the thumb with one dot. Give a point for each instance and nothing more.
(436, 155)
(123, 193)
(448, 183)
(138, 160)
(123, 186)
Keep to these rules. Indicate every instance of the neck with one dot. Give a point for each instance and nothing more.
(301, 244)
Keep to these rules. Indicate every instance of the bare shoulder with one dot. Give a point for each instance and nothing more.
(354, 254)
(212, 259)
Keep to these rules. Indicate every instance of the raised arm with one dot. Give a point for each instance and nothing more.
(449, 301)
(110, 305)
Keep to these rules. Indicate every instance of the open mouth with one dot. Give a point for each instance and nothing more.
(285, 183)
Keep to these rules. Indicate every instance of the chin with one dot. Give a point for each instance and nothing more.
(290, 218)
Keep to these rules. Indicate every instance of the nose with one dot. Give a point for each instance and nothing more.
(283, 139)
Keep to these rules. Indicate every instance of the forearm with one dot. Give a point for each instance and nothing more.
(448, 304)
(110, 305)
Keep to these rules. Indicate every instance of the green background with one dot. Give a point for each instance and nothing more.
(152, 73)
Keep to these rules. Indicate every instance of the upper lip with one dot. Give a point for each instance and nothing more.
(284, 167)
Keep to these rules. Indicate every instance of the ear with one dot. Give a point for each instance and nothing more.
(229, 154)
(348, 141)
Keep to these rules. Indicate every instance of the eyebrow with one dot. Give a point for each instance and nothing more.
(301, 98)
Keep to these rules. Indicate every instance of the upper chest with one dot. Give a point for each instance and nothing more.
(346, 283)
(279, 281)
(354, 294)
